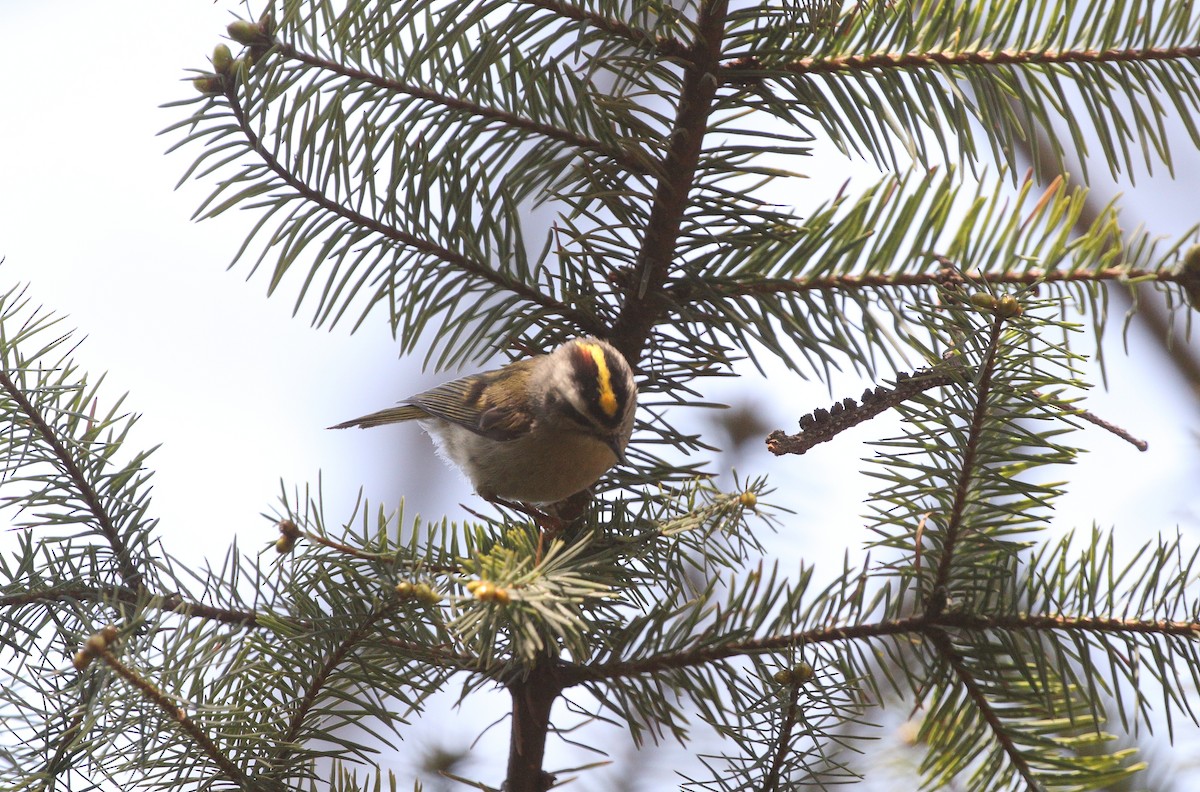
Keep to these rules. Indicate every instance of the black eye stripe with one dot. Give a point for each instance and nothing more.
(585, 374)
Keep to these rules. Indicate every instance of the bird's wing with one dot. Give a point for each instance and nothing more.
(499, 413)
(405, 412)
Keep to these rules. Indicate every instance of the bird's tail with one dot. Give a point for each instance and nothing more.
(405, 412)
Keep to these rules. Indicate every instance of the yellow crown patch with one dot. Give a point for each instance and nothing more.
(608, 399)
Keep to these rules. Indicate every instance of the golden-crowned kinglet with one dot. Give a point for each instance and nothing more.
(536, 430)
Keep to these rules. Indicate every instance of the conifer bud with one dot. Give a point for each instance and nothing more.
(95, 644)
(208, 84)
(247, 33)
(405, 590)
(748, 500)
(1189, 276)
(983, 300)
(289, 532)
(222, 59)
(796, 675)
(426, 595)
(1007, 307)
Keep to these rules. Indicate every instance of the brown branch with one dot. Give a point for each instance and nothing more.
(945, 648)
(533, 697)
(130, 574)
(663, 45)
(823, 425)
(171, 603)
(1095, 420)
(783, 749)
(630, 160)
(180, 717)
(644, 304)
(309, 698)
(385, 558)
(436, 655)
(1028, 277)
(743, 68)
(584, 321)
(953, 529)
(695, 657)
(913, 625)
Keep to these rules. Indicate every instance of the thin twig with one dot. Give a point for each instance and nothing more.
(912, 625)
(106, 595)
(953, 530)
(130, 574)
(385, 558)
(823, 425)
(663, 45)
(315, 685)
(783, 748)
(480, 270)
(1092, 418)
(906, 280)
(631, 161)
(910, 60)
(945, 649)
(180, 717)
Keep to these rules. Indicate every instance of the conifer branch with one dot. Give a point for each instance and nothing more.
(740, 69)
(66, 462)
(914, 625)
(584, 321)
(644, 303)
(317, 683)
(367, 555)
(783, 748)
(177, 714)
(821, 425)
(107, 595)
(626, 159)
(905, 280)
(533, 698)
(945, 649)
(443, 658)
(663, 45)
(950, 534)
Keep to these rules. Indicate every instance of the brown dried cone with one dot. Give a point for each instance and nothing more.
(822, 425)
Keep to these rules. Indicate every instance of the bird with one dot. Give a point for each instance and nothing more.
(535, 431)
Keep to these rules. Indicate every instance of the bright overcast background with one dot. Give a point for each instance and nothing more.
(238, 391)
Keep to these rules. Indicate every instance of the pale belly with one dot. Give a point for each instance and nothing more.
(532, 469)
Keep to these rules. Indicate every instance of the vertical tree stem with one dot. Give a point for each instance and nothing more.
(533, 698)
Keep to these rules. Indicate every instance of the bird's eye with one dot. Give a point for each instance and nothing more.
(568, 411)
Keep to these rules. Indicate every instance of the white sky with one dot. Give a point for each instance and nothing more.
(238, 392)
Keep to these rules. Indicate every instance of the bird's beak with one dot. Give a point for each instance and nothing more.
(615, 444)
